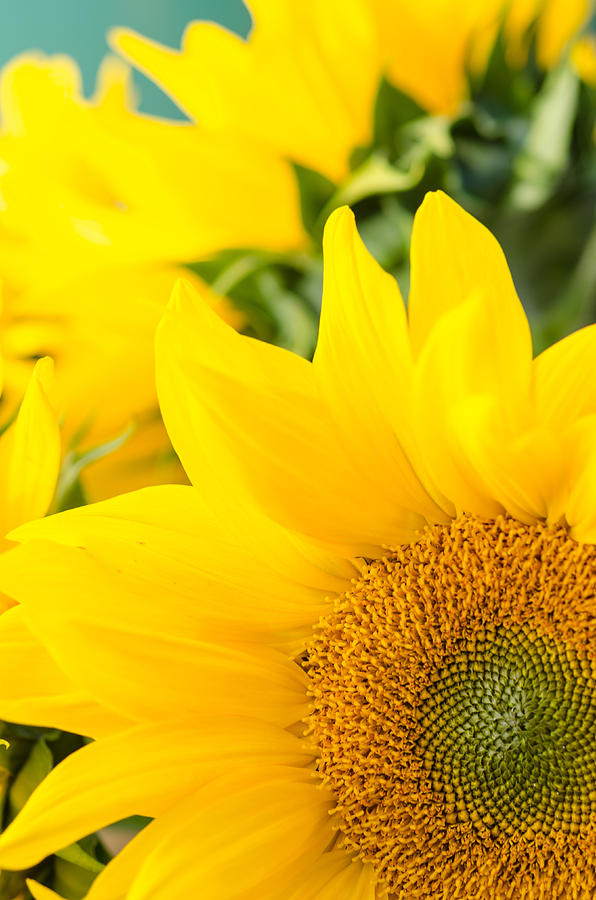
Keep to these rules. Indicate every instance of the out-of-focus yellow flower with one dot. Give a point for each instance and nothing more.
(97, 208)
(94, 184)
(302, 86)
(583, 57)
(429, 57)
(30, 453)
(100, 328)
(29, 465)
(382, 577)
(305, 82)
(552, 23)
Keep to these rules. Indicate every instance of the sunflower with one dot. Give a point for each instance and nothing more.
(30, 453)
(305, 83)
(29, 466)
(89, 255)
(357, 656)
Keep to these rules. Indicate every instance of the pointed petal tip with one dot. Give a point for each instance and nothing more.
(437, 201)
(39, 892)
(117, 37)
(340, 215)
(342, 221)
(43, 371)
(184, 298)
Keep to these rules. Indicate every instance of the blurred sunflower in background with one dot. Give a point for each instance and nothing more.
(357, 656)
(86, 278)
(374, 103)
(370, 103)
(354, 657)
(29, 466)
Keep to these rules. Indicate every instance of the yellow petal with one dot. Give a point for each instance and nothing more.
(473, 348)
(246, 419)
(522, 468)
(426, 47)
(143, 771)
(135, 663)
(334, 874)
(114, 90)
(464, 390)
(580, 510)
(237, 837)
(96, 210)
(39, 693)
(564, 386)
(40, 892)
(30, 454)
(186, 570)
(102, 324)
(559, 22)
(583, 58)
(113, 882)
(453, 258)
(364, 364)
(32, 86)
(291, 86)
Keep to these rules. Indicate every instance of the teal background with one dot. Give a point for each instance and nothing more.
(79, 27)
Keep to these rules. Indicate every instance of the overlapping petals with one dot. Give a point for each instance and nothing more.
(89, 255)
(446, 420)
(184, 611)
(292, 88)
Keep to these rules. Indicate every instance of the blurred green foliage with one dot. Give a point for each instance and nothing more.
(27, 755)
(520, 156)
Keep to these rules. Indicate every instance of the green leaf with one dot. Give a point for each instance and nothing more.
(545, 151)
(70, 880)
(377, 176)
(315, 192)
(79, 857)
(38, 765)
(69, 491)
(393, 110)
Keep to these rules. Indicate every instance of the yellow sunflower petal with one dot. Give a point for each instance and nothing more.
(426, 47)
(32, 86)
(473, 368)
(334, 875)
(143, 771)
(363, 320)
(446, 377)
(113, 882)
(96, 211)
(30, 454)
(134, 663)
(41, 892)
(583, 58)
(246, 419)
(291, 86)
(580, 510)
(39, 693)
(237, 836)
(252, 578)
(453, 258)
(114, 88)
(564, 387)
(559, 22)
(535, 466)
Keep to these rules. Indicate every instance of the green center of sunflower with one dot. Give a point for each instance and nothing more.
(508, 734)
(454, 712)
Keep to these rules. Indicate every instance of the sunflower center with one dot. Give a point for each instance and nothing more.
(508, 734)
(454, 711)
